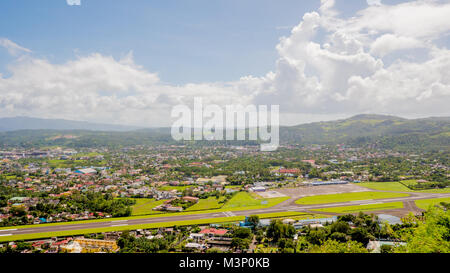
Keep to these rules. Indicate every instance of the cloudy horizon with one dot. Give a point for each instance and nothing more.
(386, 57)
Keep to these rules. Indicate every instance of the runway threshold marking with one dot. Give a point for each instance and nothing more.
(229, 214)
(4, 230)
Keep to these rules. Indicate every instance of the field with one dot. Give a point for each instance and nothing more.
(345, 197)
(445, 190)
(205, 204)
(397, 186)
(59, 163)
(242, 198)
(148, 226)
(386, 186)
(90, 154)
(121, 228)
(178, 188)
(145, 206)
(424, 204)
(363, 208)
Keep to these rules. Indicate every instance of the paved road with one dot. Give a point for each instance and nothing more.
(285, 206)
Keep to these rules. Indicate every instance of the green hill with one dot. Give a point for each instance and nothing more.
(384, 131)
(361, 130)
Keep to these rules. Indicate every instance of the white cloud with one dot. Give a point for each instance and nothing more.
(388, 43)
(13, 48)
(98, 88)
(328, 67)
(73, 2)
(417, 19)
(374, 2)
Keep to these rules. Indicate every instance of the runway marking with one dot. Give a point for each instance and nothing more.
(119, 225)
(229, 214)
(8, 229)
(5, 235)
(77, 226)
(119, 221)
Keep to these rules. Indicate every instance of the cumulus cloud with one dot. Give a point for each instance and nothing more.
(389, 43)
(98, 88)
(328, 67)
(331, 65)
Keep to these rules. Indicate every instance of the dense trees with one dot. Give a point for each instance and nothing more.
(130, 244)
(432, 235)
(253, 220)
(241, 238)
(332, 246)
(277, 230)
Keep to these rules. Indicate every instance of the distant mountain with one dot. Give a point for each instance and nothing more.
(359, 131)
(386, 131)
(27, 123)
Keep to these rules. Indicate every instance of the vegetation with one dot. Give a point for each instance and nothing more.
(364, 208)
(247, 201)
(426, 203)
(144, 206)
(345, 197)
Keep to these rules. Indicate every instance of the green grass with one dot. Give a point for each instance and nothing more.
(121, 228)
(345, 197)
(60, 163)
(232, 187)
(397, 186)
(386, 186)
(205, 204)
(178, 188)
(409, 182)
(146, 226)
(144, 206)
(271, 202)
(90, 154)
(353, 209)
(426, 203)
(445, 190)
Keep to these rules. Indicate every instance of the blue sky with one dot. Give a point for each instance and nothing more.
(184, 41)
(316, 59)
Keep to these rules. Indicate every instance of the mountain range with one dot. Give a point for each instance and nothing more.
(28, 123)
(380, 130)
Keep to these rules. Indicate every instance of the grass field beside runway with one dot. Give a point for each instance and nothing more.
(363, 208)
(232, 219)
(425, 203)
(207, 204)
(144, 206)
(386, 186)
(118, 228)
(397, 186)
(241, 201)
(345, 197)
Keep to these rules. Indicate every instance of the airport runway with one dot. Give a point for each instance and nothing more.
(288, 205)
